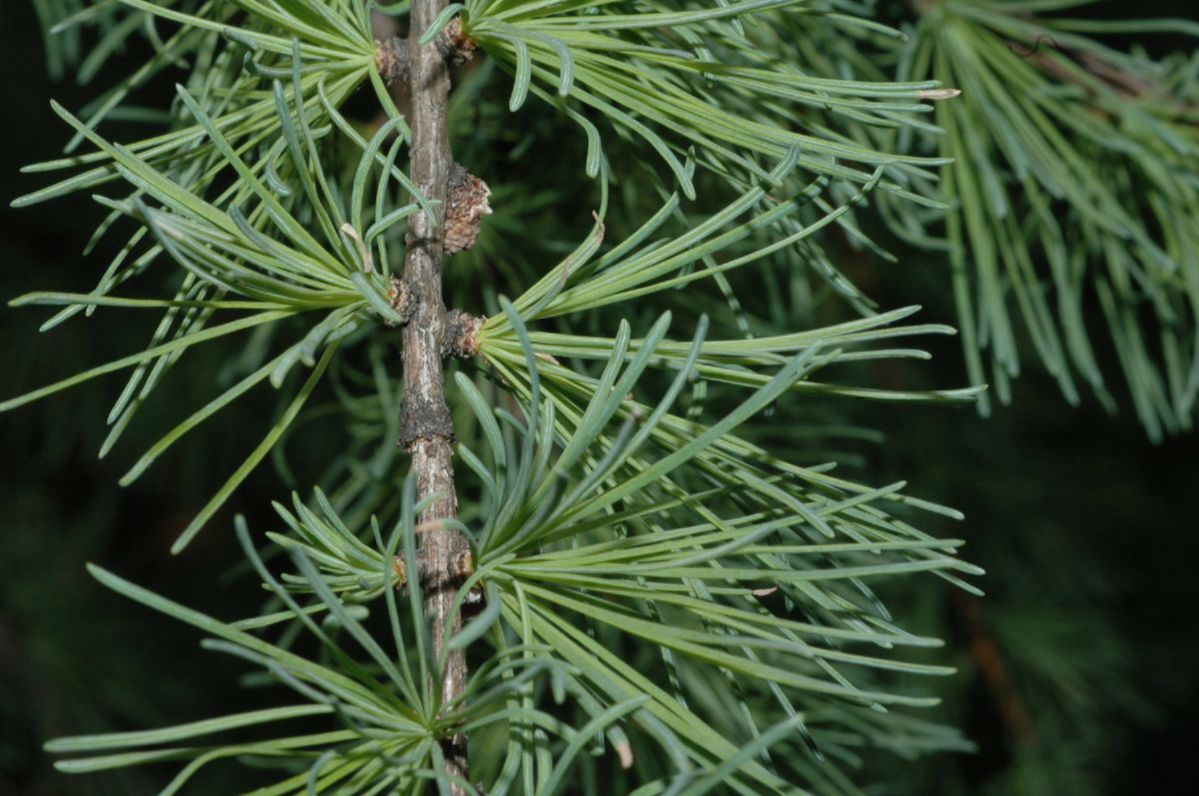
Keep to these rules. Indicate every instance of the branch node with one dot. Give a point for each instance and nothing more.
(462, 567)
(425, 428)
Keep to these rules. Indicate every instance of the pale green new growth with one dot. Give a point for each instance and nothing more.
(1075, 183)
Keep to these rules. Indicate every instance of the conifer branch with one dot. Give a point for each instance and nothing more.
(427, 427)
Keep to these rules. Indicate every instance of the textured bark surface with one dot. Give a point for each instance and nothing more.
(427, 428)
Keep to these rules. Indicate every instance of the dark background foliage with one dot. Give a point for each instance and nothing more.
(1077, 672)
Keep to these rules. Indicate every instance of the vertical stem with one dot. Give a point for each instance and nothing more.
(427, 426)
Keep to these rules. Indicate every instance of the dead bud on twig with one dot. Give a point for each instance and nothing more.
(399, 297)
(466, 205)
(461, 334)
(393, 60)
(454, 44)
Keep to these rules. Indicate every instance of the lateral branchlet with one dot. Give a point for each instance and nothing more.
(466, 205)
(393, 60)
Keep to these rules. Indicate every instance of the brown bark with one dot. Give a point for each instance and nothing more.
(427, 427)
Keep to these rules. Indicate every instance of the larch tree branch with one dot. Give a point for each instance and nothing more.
(428, 433)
